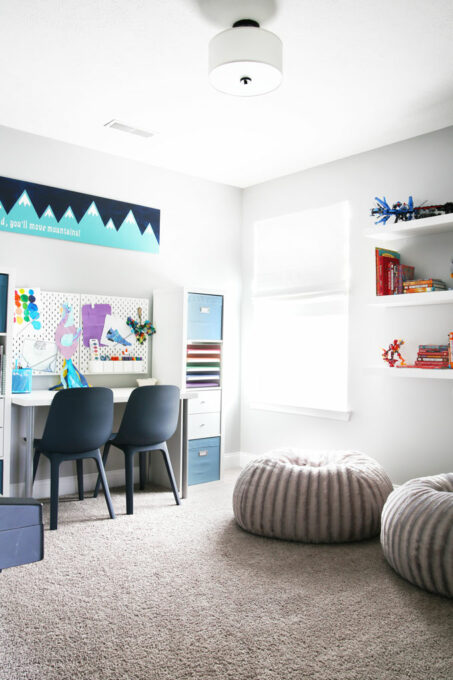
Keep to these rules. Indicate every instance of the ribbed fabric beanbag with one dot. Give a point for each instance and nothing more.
(417, 532)
(312, 496)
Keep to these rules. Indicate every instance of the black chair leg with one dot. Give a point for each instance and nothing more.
(54, 483)
(80, 479)
(129, 469)
(105, 455)
(36, 458)
(171, 476)
(142, 464)
(105, 485)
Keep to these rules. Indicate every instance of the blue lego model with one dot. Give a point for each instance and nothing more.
(401, 211)
(407, 211)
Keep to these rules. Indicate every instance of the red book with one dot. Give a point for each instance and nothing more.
(386, 279)
(389, 265)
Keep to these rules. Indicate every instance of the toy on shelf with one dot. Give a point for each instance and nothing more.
(392, 354)
(67, 337)
(141, 329)
(407, 211)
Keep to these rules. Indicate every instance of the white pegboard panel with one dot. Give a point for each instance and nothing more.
(50, 307)
(121, 307)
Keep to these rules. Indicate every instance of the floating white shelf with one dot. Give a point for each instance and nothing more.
(438, 297)
(424, 373)
(421, 227)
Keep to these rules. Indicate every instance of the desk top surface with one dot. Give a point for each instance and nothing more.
(44, 397)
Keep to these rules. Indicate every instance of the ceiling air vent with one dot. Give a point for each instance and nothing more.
(122, 127)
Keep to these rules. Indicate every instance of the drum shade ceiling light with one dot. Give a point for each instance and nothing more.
(245, 60)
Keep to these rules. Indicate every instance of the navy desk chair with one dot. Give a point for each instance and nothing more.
(150, 419)
(79, 422)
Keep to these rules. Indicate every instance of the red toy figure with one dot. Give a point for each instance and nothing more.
(392, 354)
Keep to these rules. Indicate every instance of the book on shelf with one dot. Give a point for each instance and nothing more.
(423, 289)
(432, 356)
(432, 359)
(386, 261)
(405, 273)
(410, 283)
(391, 273)
(423, 285)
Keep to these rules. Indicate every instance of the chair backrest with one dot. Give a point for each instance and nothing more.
(151, 415)
(79, 420)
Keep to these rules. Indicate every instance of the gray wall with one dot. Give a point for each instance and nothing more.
(200, 245)
(406, 424)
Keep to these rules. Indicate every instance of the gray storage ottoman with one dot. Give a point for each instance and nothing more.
(21, 532)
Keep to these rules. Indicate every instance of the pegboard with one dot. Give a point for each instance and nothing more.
(50, 304)
(121, 307)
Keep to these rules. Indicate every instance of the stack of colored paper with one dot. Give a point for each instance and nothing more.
(203, 365)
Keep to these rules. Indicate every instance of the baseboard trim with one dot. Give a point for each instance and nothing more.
(68, 485)
(237, 459)
(231, 460)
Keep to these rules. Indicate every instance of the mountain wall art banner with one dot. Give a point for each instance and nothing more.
(38, 210)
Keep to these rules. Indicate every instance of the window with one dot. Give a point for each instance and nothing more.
(299, 338)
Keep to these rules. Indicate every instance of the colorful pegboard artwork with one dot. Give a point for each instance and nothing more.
(27, 315)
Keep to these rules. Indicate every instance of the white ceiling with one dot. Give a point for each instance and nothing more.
(358, 74)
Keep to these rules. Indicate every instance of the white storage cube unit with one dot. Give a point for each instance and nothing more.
(187, 352)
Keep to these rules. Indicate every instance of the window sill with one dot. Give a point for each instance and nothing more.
(303, 411)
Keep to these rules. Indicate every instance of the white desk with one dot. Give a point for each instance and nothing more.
(177, 445)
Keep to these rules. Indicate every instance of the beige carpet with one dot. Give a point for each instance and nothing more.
(176, 593)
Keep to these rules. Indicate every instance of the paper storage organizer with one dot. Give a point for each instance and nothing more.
(188, 352)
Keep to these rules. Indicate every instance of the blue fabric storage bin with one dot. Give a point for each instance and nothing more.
(204, 460)
(204, 317)
(3, 301)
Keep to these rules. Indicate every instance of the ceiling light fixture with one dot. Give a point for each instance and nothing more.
(245, 60)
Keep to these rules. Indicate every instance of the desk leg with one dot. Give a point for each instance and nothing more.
(29, 435)
(184, 447)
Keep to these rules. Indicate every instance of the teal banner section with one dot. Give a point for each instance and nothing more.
(48, 212)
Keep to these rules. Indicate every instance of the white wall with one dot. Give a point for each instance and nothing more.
(200, 243)
(406, 424)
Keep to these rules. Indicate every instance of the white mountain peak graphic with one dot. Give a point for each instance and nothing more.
(110, 224)
(69, 213)
(1, 207)
(48, 212)
(92, 210)
(130, 219)
(24, 200)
